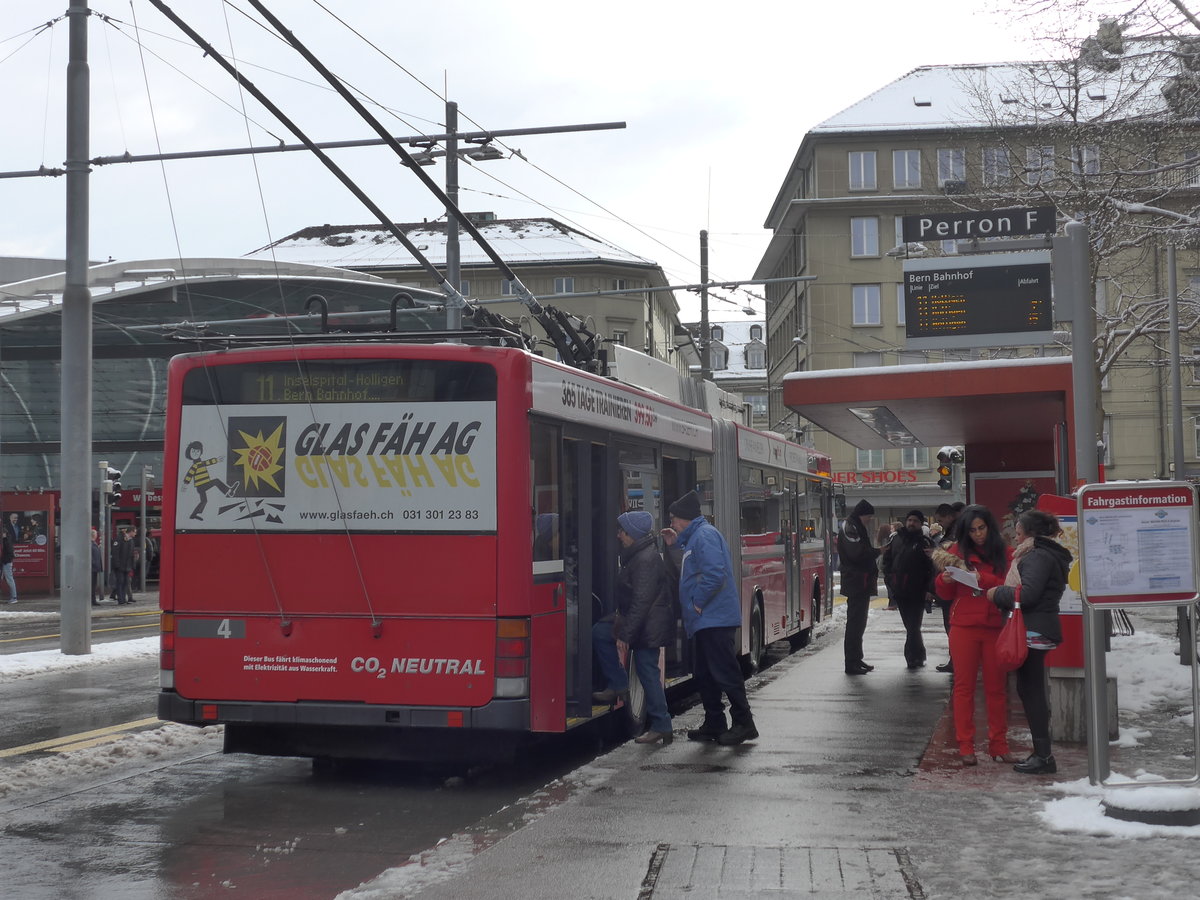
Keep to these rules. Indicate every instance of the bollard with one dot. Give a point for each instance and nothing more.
(1068, 706)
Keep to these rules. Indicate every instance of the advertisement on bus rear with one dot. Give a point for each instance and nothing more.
(338, 467)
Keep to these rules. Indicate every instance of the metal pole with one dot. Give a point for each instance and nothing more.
(76, 370)
(1176, 374)
(705, 359)
(1083, 380)
(142, 530)
(453, 259)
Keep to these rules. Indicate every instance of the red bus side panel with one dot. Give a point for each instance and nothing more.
(335, 574)
(410, 661)
(547, 674)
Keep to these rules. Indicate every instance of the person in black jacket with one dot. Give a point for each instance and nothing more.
(1036, 580)
(644, 623)
(121, 562)
(907, 565)
(860, 580)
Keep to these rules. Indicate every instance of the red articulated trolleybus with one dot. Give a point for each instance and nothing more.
(389, 550)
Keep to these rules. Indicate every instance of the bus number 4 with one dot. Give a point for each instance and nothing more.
(224, 629)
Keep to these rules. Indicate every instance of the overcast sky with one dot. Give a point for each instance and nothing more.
(716, 97)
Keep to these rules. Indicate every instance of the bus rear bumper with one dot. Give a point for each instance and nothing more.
(356, 731)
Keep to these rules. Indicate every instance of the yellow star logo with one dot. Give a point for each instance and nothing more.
(259, 458)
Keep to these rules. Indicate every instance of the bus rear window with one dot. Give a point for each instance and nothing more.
(340, 381)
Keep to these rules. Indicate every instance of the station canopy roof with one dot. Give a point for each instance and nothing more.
(955, 403)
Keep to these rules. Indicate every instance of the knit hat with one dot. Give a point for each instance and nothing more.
(863, 508)
(915, 512)
(686, 507)
(636, 523)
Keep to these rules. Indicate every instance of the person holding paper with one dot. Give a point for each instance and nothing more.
(975, 623)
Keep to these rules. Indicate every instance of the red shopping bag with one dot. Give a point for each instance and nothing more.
(1011, 648)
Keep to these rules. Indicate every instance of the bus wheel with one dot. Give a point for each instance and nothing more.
(752, 660)
(635, 706)
(801, 639)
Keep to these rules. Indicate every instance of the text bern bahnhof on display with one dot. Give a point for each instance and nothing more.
(983, 300)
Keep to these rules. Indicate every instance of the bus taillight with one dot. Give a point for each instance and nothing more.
(166, 651)
(512, 658)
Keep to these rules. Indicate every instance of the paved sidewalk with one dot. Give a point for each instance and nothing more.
(49, 606)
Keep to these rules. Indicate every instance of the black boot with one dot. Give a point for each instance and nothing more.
(741, 731)
(709, 731)
(1039, 762)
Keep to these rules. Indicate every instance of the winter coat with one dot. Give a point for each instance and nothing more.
(907, 566)
(1043, 571)
(7, 554)
(972, 608)
(645, 598)
(97, 559)
(856, 559)
(122, 556)
(708, 592)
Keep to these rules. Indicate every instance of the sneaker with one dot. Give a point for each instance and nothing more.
(653, 737)
(12, 599)
(709, 731)
(737, 734)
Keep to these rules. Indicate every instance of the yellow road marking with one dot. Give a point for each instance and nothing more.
(78, 741)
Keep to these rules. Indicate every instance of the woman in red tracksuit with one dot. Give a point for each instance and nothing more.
(975, 622)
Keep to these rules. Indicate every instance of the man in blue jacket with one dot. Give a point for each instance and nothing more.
(708, 597)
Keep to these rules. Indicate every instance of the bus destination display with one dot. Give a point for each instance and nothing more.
(963, 303)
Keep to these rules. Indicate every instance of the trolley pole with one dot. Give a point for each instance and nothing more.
(453, 257)
(705, 358)
(76, 371)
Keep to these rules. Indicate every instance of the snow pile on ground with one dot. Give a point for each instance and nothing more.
(23, 665)
(1082, 809)
(1148, 672)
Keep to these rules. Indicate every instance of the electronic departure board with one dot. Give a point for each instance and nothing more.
(978, 301)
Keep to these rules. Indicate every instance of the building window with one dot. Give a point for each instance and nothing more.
(756, 332)
(864, 236)
(997, 166)
(564, 285)
(1191, 174)
(507, 288)
(758, 403)
(1196, 365)
(464, 287)
(1039, 165)
(867, 359)
(619, 284)
(868, 460)
(718, 357)
(866, 304)
(906, 168)
(1085, 160)
(900, 318)
(620, 337)
(952, 166)
(862, 170)
(914, 457)
(717, 333)
(756, 357)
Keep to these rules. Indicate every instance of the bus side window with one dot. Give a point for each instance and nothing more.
(544, 502)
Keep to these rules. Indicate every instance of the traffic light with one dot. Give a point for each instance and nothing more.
(945, 476)
(112, 487)
(947, 457)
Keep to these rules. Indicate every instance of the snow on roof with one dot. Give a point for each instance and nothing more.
(1014, 93)
(735, 337)
(112, 280)
(516, 240)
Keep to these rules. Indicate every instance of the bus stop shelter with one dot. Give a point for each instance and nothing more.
(1013, 417)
